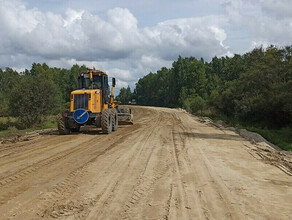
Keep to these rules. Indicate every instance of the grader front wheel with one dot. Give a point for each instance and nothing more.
(106, 121)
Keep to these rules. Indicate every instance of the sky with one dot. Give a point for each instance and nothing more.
(130, 38)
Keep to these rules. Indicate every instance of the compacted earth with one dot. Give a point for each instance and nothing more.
(168, 165)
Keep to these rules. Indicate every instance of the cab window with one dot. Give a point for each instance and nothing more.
(96, 82)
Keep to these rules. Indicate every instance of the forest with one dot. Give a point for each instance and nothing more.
(253, 90)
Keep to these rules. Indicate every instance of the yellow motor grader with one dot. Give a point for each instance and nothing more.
(93, 104)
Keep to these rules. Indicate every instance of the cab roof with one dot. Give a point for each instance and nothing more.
(96, 72)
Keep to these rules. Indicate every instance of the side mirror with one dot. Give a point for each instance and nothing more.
(114, 82)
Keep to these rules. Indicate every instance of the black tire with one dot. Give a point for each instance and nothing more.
(115, 121)
(106, 121)
(62, 127)
(77, 129)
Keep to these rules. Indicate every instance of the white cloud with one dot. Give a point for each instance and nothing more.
(187, 37)
(68, 63)
(279, 9)
(123, 20)
(121, 84)
(121, 74)
(111, 42)
(256, 44)
(267, 21)
(220, 34)
(114, 42)
(72, 16)
(16, 18)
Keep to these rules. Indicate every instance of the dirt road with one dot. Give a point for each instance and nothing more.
(168, 165)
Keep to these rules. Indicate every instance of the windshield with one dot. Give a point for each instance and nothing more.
(85, 83)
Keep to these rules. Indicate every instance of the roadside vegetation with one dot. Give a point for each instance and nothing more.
(31, 99)
(12, 126)
(253, 90)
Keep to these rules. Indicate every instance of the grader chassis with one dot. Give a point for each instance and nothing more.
(92, 104)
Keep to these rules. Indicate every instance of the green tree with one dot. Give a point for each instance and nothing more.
(8, 79)
(33, 97)
(125, 95)
(187, 79)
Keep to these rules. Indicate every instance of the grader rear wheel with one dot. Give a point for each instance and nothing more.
(106, 121)
(62, 127)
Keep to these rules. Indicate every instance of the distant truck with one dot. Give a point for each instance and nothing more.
(133, 102)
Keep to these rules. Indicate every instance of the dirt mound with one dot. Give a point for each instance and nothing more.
(256, 138)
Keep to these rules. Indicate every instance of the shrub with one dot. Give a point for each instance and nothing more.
(33, 97)
(194, 104)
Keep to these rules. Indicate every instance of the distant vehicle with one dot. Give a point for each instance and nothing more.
(133, 102)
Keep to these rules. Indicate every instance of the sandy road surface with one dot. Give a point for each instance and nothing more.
(167, 165)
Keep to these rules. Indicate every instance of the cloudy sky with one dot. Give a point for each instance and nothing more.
(130, 38)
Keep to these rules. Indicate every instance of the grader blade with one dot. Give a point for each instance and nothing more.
(125, 116)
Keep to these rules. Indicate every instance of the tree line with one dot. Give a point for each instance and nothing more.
(32, 94)
(255, 87)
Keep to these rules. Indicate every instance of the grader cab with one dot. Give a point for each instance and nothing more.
(93, 104)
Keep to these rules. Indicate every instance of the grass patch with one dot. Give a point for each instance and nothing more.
(11, 131)
(7, 119)
(9, 126)
(48, 122)
(6, 122)
(5, 133)
(281, 137)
